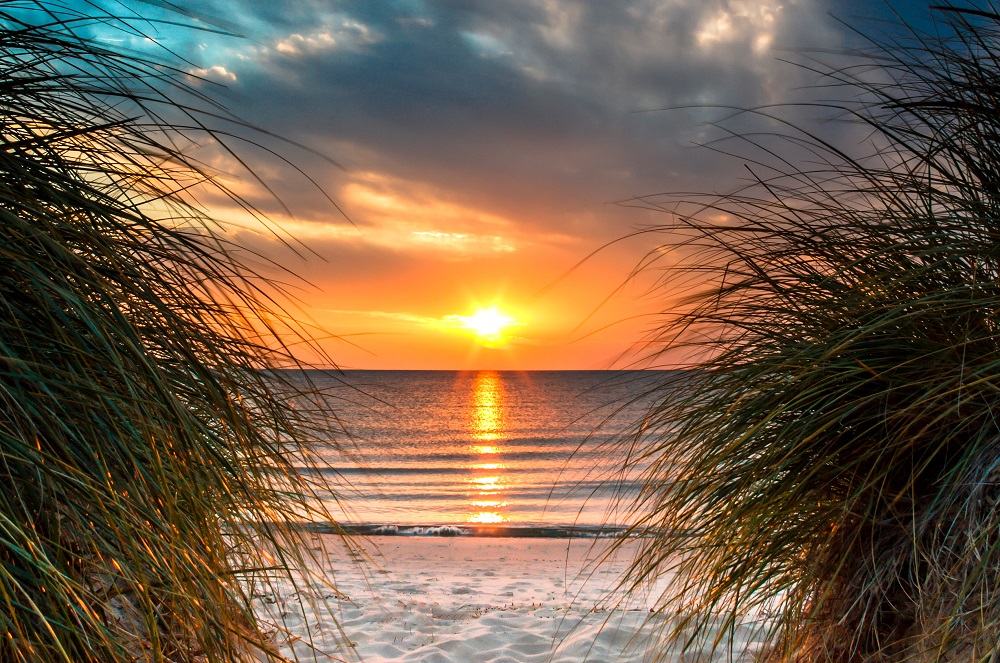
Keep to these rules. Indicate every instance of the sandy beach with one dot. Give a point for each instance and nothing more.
(465, 599)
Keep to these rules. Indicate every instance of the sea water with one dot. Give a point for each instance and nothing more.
(482, 453)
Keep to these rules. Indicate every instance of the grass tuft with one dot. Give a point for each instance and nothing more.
(830, 477)
(148, 460)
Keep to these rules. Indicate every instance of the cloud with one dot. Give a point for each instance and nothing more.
(493, 329)
(495, 136)
(216, 73)
(530, 111)
(338, 31)
(463, 242)
(296, 44)
(413, 213)
(745, 21)
(399, 316)
(537, 112)
(392, 213)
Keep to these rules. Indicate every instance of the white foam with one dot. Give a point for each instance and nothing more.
(444, 530)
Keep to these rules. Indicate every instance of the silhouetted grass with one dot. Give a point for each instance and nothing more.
(147, 460)
(833, 473)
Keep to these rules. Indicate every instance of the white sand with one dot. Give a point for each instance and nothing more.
(466, 600)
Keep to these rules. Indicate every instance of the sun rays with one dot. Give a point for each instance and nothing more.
(490, 326)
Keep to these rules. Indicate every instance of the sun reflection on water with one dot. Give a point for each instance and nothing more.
(488, 422)
(489, 504)
(487, 518)
(488, 485)
(489, 466)
(488, 427)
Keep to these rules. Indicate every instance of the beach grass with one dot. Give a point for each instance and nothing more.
(150, 462)
(829, 477)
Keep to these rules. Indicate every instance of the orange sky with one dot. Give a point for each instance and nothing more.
(415, 313)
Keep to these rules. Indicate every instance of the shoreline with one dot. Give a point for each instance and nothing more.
(513, 531)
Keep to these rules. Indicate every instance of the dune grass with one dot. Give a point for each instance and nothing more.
(830, 476)
(149, 461)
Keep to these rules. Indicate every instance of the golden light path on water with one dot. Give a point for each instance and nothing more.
(488, 426)
(489, 449)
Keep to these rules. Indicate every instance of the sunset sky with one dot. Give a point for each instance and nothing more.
(482, 148)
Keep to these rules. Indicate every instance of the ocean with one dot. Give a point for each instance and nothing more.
(480, 453)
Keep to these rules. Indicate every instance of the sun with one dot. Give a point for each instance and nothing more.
(488, 324)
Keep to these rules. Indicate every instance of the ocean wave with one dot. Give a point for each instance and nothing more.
(491, 531)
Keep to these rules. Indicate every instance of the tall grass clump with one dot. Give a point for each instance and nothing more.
(147, 462)
(830, 476)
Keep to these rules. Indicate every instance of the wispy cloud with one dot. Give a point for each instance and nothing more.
(399, 316)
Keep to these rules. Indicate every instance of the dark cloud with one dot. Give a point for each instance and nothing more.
(534, 110)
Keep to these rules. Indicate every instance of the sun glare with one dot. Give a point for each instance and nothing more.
(488, 322)
(490, 326)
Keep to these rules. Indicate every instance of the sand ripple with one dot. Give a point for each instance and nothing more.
(465, 600)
